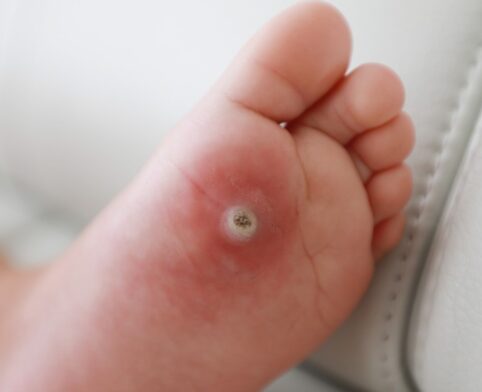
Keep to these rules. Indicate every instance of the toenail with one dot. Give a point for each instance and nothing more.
(241, 223)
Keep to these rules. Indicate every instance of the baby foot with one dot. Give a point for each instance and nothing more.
(242, 244)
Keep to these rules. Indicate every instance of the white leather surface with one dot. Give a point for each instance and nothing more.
(446, 328)
(87, 89)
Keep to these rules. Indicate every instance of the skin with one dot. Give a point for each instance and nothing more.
(157, 294)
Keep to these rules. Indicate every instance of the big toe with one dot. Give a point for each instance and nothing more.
(293, 61)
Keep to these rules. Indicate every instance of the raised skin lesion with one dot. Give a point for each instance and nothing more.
(241, 223)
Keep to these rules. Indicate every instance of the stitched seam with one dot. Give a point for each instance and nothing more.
(427, 309)
(415, 219)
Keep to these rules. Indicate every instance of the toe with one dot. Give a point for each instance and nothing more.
(369, 97)
(387, 234)
(389, 191)
(293, 61)
(385, 146)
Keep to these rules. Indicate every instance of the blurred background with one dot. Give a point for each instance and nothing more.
(87, 91)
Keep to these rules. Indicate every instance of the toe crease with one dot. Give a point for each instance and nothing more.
(304, 101)
(346, 119)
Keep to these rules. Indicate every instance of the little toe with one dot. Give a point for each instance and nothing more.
(367, 98)
(387, 234)
(389, 191)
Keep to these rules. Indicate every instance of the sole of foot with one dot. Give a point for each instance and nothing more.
(243, 243)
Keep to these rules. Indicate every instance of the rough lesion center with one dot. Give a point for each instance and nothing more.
(241, 223)
(241, 219)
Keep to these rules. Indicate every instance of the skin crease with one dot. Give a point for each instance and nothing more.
(155, 295)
